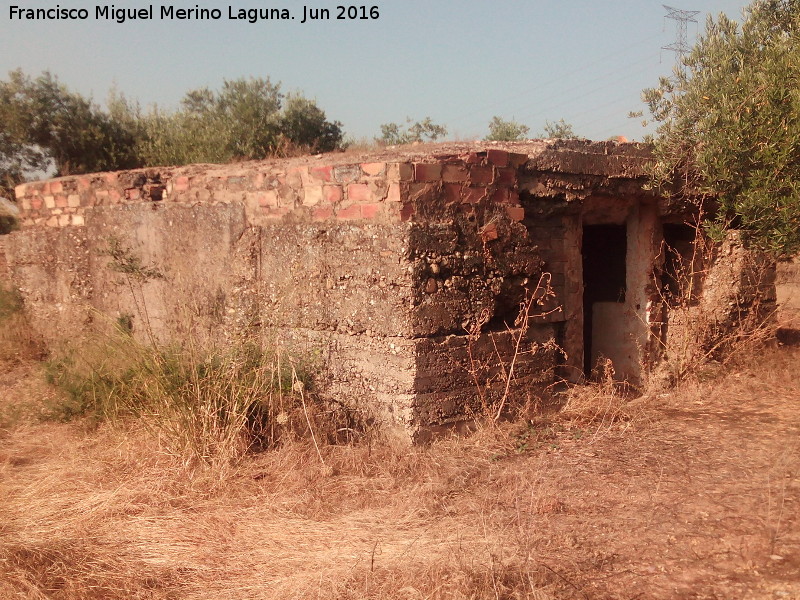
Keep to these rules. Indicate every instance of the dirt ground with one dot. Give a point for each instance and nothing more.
(692, 493)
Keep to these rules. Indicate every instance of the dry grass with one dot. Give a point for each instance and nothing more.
(692, 494)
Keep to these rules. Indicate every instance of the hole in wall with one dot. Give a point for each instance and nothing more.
(680, 275)
(604, 250)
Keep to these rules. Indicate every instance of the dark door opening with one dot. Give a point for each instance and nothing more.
(680, 276)
(604, 250)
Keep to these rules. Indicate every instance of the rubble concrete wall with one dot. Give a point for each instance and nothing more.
(378, 268)
(787, 284)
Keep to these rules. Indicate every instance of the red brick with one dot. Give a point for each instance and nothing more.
(322, 213)
(322, 173)
(452, 193)
(500, 196)
(506, 177)
(373, 168)
(61, 201)
(499, 158)
(427, 171)
(111, 177)
(114, 195)
(133, 193)
(36, 202)
(407, 212)
(472, 195)
(454, 173)
(84, 183)
(349, 213)
(515, 213)
(358, 192)
(393, 195)
(475, 159)
(513, 198)
(332, 194)
(406, 171)
(181, 184)
(56, 187)
(481, 175)
(370, 210)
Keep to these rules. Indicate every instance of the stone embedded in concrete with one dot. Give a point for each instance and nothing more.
(181, 184)
(347, 173)
(405, 171)
(267, 198)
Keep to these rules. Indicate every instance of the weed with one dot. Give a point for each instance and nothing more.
(495, 375)
(716, 305)
(17, 341)
(207, 407)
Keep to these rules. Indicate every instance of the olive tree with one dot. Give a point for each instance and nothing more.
(730, 124)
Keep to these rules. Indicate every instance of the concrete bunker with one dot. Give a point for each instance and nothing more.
(403, 272)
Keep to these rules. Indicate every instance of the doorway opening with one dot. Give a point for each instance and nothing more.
(604, 251)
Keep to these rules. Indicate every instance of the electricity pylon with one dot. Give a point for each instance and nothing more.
(681, 46)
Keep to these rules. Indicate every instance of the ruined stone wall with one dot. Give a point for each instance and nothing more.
(378, 268)
(401, 273)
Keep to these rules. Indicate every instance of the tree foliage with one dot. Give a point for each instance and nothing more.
(501, 130)
(46, 127)
(730, 124)
(247, 119)
(558, 130)
(414, 131)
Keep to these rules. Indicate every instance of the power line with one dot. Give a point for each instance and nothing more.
(681, 45)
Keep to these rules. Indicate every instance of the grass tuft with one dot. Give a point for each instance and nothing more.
(208, 407)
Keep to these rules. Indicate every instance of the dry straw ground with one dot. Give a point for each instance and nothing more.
(693, 493)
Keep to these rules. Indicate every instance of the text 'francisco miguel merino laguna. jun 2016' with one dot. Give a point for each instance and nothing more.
(109, 12)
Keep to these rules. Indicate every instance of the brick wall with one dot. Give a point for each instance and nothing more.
(373, 191)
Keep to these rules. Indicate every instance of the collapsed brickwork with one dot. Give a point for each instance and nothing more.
(403, 271)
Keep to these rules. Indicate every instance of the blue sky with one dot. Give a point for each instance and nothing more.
(459, 62)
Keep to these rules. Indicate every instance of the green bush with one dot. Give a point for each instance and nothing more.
(730, 125)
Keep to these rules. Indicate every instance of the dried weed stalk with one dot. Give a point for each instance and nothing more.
(499, 372)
